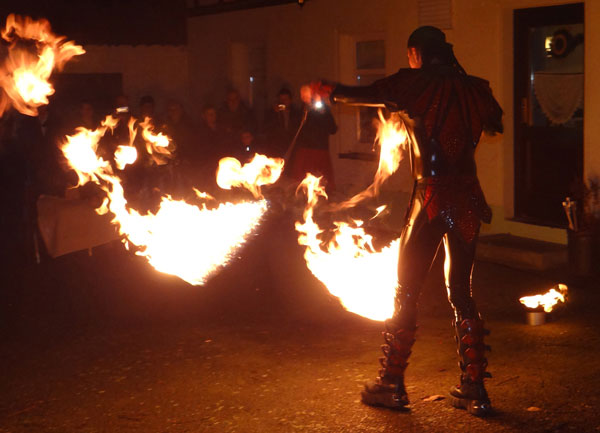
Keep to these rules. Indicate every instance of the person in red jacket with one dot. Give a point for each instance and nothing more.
(450, 110)
(311, 152)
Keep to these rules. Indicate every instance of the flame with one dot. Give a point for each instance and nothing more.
(203, 195)
(362, 278)
(252, 175)
(80, 151)
(548, 300)
(380, 210)
(125, 155)
(132, 130)
(25, 71)
(157, 144)
(181, 239)
(394, 135)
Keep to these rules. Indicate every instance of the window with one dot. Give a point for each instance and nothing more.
(369, 66)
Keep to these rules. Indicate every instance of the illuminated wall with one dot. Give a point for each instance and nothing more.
(303, 45)
(157, 70)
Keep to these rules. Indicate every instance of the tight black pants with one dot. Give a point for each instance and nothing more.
(419, 243)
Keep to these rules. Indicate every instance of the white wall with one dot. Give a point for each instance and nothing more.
(157, 70)
(303, 45)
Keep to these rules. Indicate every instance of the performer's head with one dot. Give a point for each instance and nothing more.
(427, 46)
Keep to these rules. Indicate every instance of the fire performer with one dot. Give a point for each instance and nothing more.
(450, 110)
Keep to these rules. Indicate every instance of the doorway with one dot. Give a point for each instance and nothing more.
(548, 110)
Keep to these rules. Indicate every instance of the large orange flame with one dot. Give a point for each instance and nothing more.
(181, 239)
(363, 278)
(125, 155)
(24, 72)
(261, 170)
(394, 135)
(548, 300)
(158, 145)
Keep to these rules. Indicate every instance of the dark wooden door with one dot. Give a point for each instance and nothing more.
(548, 95)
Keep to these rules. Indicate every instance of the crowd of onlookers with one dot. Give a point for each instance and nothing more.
(31, 162)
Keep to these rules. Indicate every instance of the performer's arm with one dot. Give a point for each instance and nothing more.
(366, 96)
(356, 95)
(393, 92)
(489, 107)
(493, 124)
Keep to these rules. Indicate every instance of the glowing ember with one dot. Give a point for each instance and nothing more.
(25, 71)
(362, 278)
(252, 175)
(548, 300)
(181, 239)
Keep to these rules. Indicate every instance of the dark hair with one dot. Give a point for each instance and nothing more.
(431, 43)
(147, 99)
(285, 91)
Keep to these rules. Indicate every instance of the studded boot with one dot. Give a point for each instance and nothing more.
(471, 393)
(388, 389)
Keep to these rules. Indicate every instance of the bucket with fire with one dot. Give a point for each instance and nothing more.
(537, 307)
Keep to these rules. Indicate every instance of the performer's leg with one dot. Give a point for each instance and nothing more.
(471, 393)
(458, 269)
(418, 244)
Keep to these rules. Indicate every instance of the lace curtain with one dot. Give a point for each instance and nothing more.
(559, 95)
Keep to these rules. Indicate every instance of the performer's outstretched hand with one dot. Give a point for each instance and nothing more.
(316, 91)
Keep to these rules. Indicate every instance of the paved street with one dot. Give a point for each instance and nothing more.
(107, 344)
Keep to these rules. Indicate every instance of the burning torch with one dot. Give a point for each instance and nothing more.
(539, 305)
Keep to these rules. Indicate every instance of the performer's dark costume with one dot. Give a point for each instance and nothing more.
(450, 110)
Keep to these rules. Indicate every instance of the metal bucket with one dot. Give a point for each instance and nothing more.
(536, 318)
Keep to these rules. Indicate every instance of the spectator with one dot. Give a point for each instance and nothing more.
(235, 116)
(120, 134)
(134, 176)
(210, 135)
(179, 128)
(49, 164)
(148, 109)
(281, 124)
(201, 159)
(86, 115)
(311, 153)
(245, 147)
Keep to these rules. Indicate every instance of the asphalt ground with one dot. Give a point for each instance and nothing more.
(104, 343)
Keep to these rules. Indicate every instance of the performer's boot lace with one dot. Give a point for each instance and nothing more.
(471, 393)
(388, 389)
